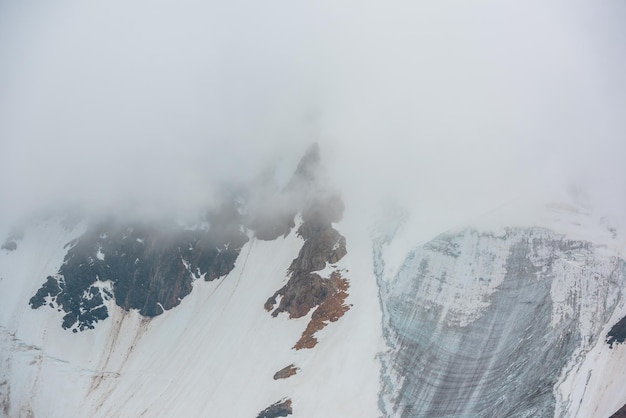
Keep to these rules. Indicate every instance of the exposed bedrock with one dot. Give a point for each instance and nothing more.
(149, 267)
(302, 293)
(278, 409)
(306, 290)
(621, 413)
(481, 325)
(617, 334)
(286, 372)
(323, 246)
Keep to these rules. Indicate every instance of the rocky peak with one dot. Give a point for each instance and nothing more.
(141, 265)
(150, 266)
(306, 290)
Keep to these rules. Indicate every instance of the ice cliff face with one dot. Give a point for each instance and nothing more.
(484, 325)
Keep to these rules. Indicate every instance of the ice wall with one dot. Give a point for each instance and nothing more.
(483, 325)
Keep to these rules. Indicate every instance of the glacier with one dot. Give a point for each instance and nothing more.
(505, 316)
(482, 325)
(475, 322)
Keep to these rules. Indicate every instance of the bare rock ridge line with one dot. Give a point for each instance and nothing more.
(306, 289)
(323, 246)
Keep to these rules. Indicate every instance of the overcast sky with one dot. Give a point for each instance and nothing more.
(440, 104)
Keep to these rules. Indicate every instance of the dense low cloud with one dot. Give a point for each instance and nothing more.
(448, 107)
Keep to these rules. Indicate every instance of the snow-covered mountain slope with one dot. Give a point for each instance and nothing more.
(217, 352)
(214, 355)
(296, 310)
(505, 321)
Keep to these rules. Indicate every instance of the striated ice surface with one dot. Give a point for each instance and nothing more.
(483, 325)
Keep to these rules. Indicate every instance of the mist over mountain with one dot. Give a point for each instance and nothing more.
(130, 104)
(339, 208)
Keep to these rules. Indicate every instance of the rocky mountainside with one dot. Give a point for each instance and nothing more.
(116, 271)
(280, 301)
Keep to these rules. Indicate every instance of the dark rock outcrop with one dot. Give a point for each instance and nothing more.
(278, 409)
(617, 334)
(142, 266)
(286, 372)
(150, 267)
(621, 413)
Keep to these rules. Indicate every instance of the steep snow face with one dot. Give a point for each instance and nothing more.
(484, 324)
(213, 355)
(163, 342)
(130, 363)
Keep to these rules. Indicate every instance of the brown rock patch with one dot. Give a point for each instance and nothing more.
(303, 292)
(323, 245)
(330, 310)
(286, 372)
(307, 290)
